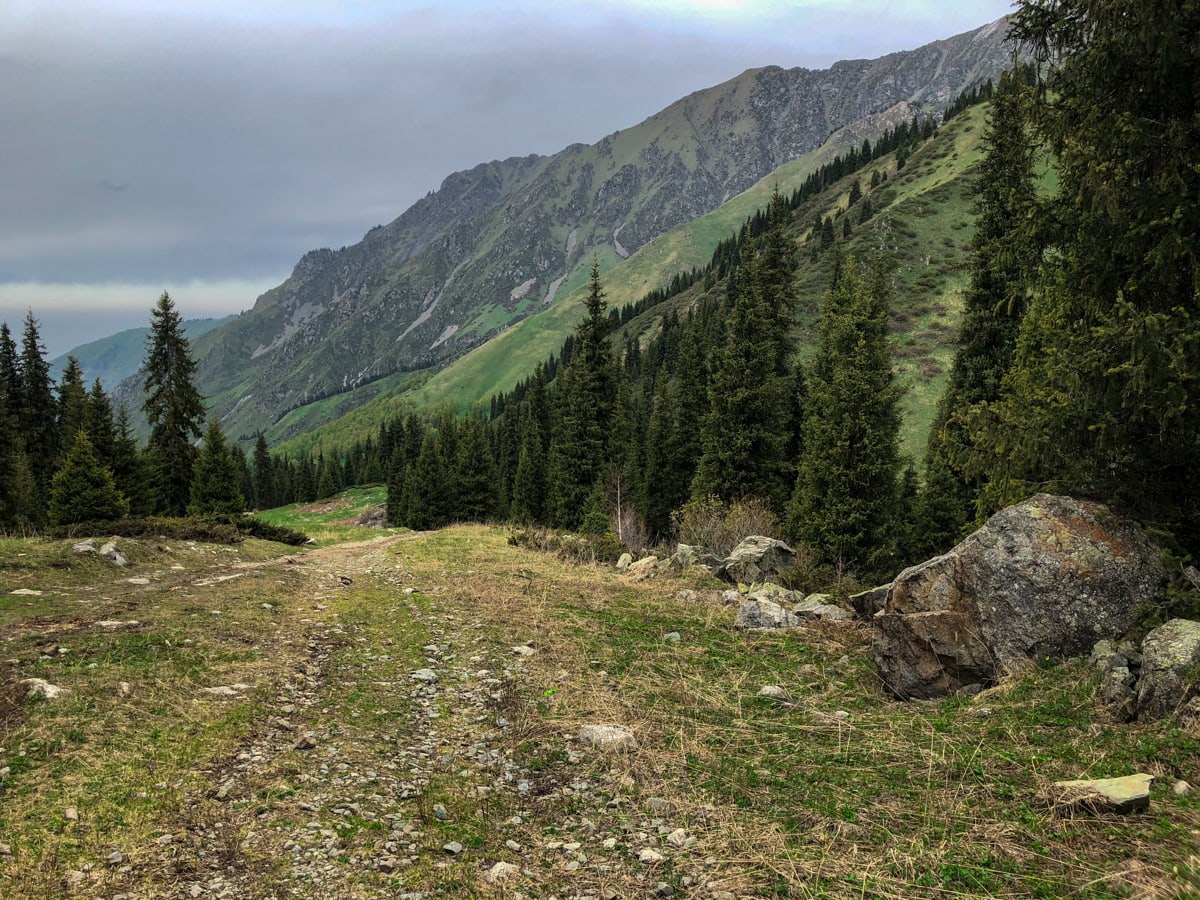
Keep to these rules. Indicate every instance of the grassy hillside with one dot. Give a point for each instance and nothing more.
(114, 358)
(924, 219)
(255, 721)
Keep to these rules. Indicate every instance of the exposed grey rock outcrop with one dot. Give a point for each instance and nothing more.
(1045, 578)
(757, 559)
(1170, 666)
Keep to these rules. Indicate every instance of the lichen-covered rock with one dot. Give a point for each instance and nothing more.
(757, 558)
(867, 603)
(757, 613)
(1170, 668)
(607, 737)
(1045, 578)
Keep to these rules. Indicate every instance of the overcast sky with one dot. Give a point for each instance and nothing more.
(202, 146)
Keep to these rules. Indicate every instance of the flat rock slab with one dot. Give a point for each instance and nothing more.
(607, 737)
(1101, 795)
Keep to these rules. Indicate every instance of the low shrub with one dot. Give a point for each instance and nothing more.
(220, 529)
(577, 548)
(718, 526)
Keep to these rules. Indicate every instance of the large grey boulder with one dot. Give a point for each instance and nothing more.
(757, 558)
(1170, 668)
(1045, 578)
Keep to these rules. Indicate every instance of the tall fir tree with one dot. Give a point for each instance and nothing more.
(130, 467)
(586, 401)
(72, 403)
(264, 486)
(10, 375)
(845, 501)
(1003, 257)
(476, 494)
(37, 419)
(529, 481)
(216, 480)
(746, 431)
(1104, 396)
(173, 408)
(98, 423)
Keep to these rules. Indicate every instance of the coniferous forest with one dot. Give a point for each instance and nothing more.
(1077, 370)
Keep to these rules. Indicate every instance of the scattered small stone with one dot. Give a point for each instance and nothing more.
(5, 850)
(664, 889)
(110, 552)
(71, 814)
(624, 562)
(523, 650)
(453, 848)
(842, 715)
(39, 687)
(439, 813)
(500, 871)
(115, 858)
(607, 737)
(673, 637)
(83, 547)
(1180, 788)
(1120, 795)
(138, 580)
(26, 592)
(117, 625)
(428, 676)
(677, 838)
(774, 692)
(513, 846)
(305, 742)
(981, 712)
(650, 856)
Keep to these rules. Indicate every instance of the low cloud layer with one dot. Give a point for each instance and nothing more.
(220, 141)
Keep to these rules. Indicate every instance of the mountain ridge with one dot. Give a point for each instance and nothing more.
(505, 239)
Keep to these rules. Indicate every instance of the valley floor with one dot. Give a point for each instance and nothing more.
(400, 717)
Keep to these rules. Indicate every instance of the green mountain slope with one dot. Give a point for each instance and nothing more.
(508, 239)
(923, 218)
(114, 358)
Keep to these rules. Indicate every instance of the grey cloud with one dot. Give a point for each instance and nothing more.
(153, 150)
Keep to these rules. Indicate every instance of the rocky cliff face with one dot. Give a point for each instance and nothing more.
(502, 240)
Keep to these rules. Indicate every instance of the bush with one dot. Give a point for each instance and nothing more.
(226, 529)
(718, 527)
(577, 548)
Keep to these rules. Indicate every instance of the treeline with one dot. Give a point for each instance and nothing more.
(65, 458)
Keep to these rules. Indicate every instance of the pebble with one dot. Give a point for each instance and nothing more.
(454, 848)
(649, 856)
(500, 871)
(71, 814)
(1180, 788)
(428, 676)
(115, 858)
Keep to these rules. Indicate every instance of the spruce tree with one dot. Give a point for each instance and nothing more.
(586, 400)
(10, 375)
(173, 408)
(264, 488)
(845, 501)
(1104, 398)
(1003, 255)
(83, 490)
(746, 432)
(130, 467)
(98, 423)
(216, 482)
(476, 498)
(37, 419)
(72, 403)
(529, 481)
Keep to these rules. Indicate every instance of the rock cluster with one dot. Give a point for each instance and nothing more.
(1046, 578)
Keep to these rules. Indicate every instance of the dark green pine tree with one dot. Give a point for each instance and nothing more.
(476, 481)
(130, 467)
(746, 432)
(427, 498)
(173, 408)
(529, 482)
(1104, 396)
(845, 501)
(10, 375)
(37, 419)
(72, 404)
(83, 489)
(586, 401)
(264, 483)
(98, 423)
(1003, 256)
(216, 481)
